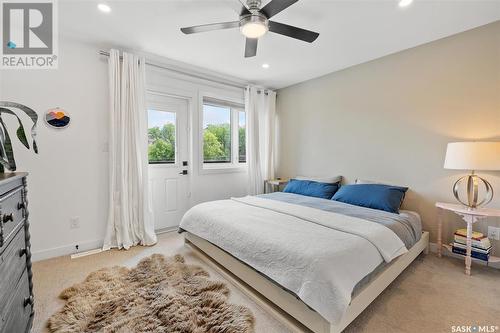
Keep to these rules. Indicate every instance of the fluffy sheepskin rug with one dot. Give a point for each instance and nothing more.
(159, 295)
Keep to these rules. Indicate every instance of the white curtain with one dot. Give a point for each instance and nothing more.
(260, 106)
(130, 220)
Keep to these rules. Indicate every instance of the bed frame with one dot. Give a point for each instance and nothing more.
(284, 305)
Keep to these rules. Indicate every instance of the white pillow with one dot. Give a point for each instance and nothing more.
(328, 180)
(365, 181)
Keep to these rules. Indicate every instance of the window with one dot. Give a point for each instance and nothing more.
(161, 137)
(223, 133)
(216, 134)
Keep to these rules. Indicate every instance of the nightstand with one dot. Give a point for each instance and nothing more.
(470, 216)
(274, 184)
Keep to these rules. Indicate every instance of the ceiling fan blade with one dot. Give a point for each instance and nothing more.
(294, 32)
(251, 47)
(238, 6)
(276, 6)
(209, 27)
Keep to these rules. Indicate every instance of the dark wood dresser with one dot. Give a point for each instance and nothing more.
(16, 286)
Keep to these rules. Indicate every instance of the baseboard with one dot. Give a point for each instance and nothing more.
(65, 250)
(82, 247)
(166, 230)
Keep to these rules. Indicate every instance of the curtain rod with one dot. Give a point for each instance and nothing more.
(259, 91)
(106, 54)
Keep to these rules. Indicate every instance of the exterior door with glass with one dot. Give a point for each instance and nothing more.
(168, 154)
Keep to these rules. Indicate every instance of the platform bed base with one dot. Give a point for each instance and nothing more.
(285, 306)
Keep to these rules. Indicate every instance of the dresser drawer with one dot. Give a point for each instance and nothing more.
(12, 266)
(11, 213)
(16, 318)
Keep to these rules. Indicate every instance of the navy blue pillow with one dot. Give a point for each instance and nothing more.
(376, 196)
(311, 188)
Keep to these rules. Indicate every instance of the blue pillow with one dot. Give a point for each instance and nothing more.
(311, 188)
(377, 196)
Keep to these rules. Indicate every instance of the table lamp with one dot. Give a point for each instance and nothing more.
(473, 156)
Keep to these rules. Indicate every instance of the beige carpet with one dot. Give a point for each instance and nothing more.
(430, 296)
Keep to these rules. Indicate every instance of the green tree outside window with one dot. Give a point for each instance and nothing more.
(162, 143)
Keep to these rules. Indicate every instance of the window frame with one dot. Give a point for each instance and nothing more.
(237, 115)
(235, 107)
(157, 106)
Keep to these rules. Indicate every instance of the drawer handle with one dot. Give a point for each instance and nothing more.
(20, 205)
(28, 301)
(8, 217)
(22, 252)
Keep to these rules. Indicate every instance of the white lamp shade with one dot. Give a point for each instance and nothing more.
(473, 156)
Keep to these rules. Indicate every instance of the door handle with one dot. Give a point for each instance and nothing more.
(183, 172)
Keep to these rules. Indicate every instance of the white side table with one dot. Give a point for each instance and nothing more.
(275, 184)
(470, 216)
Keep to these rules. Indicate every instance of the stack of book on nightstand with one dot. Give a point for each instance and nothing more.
(481, 245)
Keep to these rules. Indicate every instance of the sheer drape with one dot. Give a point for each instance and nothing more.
(130, 220)
(260, 106)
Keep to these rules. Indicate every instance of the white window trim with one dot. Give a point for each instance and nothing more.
(234, 165)
(157, 106)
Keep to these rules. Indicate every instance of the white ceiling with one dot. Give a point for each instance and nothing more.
(351, 32)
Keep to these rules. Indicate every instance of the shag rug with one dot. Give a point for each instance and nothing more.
(159, 295)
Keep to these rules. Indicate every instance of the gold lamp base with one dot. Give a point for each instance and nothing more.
(473, 191)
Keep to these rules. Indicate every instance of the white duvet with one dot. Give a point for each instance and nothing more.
(319, 256)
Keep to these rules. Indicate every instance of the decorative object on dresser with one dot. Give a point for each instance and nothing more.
(16, 286)
(473, 156)
(6, 153)
(472, 240)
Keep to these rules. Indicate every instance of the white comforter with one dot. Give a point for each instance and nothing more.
(319, 256)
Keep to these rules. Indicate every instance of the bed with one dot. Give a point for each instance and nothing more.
(321, 262)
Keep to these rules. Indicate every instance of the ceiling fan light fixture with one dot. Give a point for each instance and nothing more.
(405, 3)
(104, 8)
(254, 25)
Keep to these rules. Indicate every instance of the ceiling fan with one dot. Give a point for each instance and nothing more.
(254, 23)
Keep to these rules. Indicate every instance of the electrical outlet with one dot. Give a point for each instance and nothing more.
(494, 233)
(74, 222)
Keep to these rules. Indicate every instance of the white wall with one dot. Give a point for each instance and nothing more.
(390, 119)
(69, 177)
